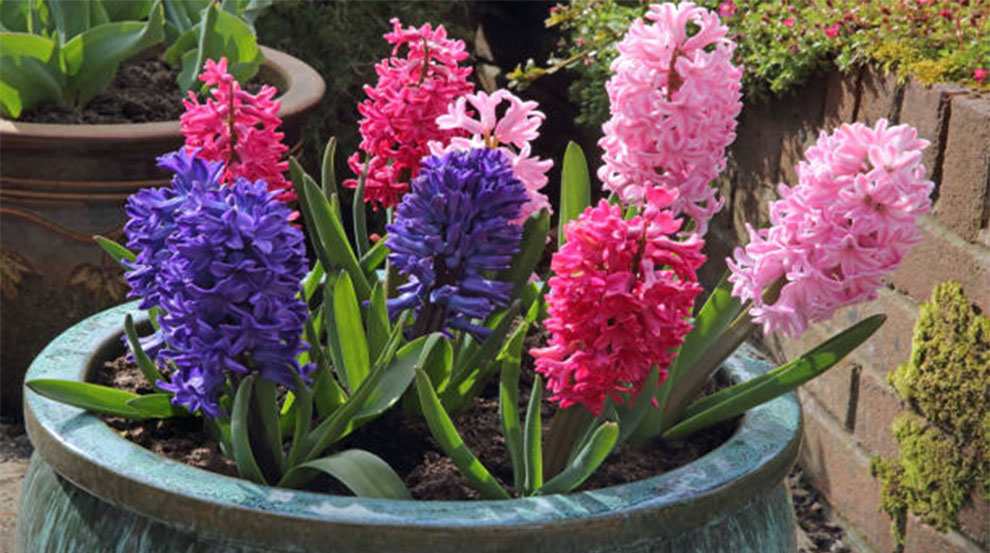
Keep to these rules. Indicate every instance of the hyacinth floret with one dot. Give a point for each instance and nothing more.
(454, 227)
(674, 100)
(511, 134)
(618, 304)
(399, 116)
(228, 283)
(238, 129)
(848, 222)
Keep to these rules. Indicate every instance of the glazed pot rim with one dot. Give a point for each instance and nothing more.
(89, 453)
(303, 87)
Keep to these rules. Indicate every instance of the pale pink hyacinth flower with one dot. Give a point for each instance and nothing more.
(517, 127)
(849, 222)
(674, 102)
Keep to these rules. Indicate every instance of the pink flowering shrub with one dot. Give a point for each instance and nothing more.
(618, 305)
(847, 223)
(510, 134)
(674, 102)
(399, 116)
(239, 129)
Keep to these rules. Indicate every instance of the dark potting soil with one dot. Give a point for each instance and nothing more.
(404, 441)
(143, 90)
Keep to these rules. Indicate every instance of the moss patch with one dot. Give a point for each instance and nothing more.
(945, 442)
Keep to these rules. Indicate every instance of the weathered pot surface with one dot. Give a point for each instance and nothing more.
(60, 185)
(111, 495)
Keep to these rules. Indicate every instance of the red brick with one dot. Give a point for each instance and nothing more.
(800, 117)
(877, 96)
(975, 520)
(944, 256)
(876, 410)
(926, 108)
(921, 538)
(832, 389)
(841, 472)
(840, 98)
(965, 185)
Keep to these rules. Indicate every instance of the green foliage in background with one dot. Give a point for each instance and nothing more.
(944, 442)
(782, 44)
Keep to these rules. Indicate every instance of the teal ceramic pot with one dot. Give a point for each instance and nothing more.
(89, 490)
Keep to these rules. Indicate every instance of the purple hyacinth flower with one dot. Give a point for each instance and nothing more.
(451, 229)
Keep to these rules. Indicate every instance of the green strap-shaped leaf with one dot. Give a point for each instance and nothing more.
(374, 258)
(533, 440)
(131, 10)
(91, 58)
(350, 333)
(475, 359)
(116, 251)
(631, 416)
(450, 441)
(531, 247)
(328, 176)
(567, 427)
(265, 432)
(508, 406)
(575, 187)
(240, 441)
(740, 398)
(158, 406)
(364, 473)
(313, 280)
(302, 418)
(220, 34)
(360, 218)
(377, 321)
(586, 462)
(91, 397)
(30, 73)
(147, 366)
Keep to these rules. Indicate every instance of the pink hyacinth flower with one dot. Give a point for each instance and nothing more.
(517, 127)
(847, 223)
(674, 101)
(399, 116)
(618, 305)
(239, 129)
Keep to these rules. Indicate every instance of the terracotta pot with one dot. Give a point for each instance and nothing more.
(60, 185)
(88, 489)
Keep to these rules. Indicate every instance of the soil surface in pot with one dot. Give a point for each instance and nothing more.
(405, 442)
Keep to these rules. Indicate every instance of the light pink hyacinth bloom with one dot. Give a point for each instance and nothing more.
(674, 102)
(517, 127)
(848, 222)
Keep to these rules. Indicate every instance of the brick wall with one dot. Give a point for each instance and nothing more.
(849, 410)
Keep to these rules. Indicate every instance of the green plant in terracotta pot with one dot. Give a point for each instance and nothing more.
(286, 363)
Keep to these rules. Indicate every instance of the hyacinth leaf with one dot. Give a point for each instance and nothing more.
(374, 258)
(135, 10)
(531, 247)
(265, 431)
(378, 392)
(364, 473)
(359, 215)
(451, 443)
(473, 358)
(218, 34)
(586, 462)
(437, 360)
(631, 416)
(147, 366)
(182, 16)
(533, 440)
(91, 58)
(575, 187)
(508, 406)
(302, 417)
(715, 316)
(328, 174)
(327, 234)
(377, 321)
(350, 333)
(287, 414)
(72, 18)
(313, 280)
(240, 443)
(117, 253)
(327, 394)
(30, 74)
(91, 397)
(567, 426)
(738, 399)
(158, 406)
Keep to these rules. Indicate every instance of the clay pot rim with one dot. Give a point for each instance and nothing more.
(89, 453)
(303, 87)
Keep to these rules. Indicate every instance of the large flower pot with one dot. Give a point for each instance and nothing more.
(89, 490)
(60, 185)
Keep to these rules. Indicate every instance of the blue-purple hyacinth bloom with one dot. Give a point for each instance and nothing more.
(227, 274)
(452, 227)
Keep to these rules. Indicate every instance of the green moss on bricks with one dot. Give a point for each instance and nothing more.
(945, 442)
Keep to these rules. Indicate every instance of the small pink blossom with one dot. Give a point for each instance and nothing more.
(511, 134)
(674, 102)
(618, 305)
(847, 223)
(832, 30)
(399, 116)
(789, 22)
(980, 74)
(727, 9)
(237, 128)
